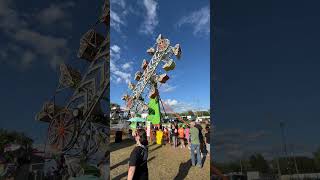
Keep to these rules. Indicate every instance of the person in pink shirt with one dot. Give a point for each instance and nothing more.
(187, 135)
(148, 130)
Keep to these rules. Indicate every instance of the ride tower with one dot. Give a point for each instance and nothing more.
(149, 80)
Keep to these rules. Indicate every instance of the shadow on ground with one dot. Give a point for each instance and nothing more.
(158, 147)
(123, 144)
(127, 159)
(120, 164)
(204, 158)
(119, 177)
(183, 170)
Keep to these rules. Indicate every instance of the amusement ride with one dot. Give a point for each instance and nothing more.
(79, 124)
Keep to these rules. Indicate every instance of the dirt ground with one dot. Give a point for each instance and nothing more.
(164, 162)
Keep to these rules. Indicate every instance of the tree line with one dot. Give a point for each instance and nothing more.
(283, 165)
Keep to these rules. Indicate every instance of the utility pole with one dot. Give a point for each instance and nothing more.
(283, 138)
(241, 166)
(284, 144)
(279, 170)
(294, 159)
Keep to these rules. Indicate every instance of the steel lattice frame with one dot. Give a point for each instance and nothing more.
(163, 53)
(76, 119)
(93, 87)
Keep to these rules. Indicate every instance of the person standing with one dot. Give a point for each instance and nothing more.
(207, 136)
(181, 136)
(159, 135)
(165, 135)
(186, 132)
(153, 134)
(195, 144)
(174, 135)
(148, 129)
(199, 125)
(170, 133)
(138, 167)
(203, 132)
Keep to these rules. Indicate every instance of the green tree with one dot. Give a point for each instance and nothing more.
(205, 113)
(7, 137)
(305, 164)
(289, 165)
(190, 113)
(229, 167)
(317, 158)
(114, 105)
(258, 163)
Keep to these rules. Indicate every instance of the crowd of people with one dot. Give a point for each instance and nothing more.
(194, 136)
(181, 135)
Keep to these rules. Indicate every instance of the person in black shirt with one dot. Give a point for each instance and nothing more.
(174, 134)
(207, 137)
(138, 167)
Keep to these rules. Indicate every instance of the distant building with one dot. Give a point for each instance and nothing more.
(253, 175)
(300, 176)
(202, 118)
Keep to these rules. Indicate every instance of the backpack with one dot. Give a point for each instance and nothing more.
(144, 154)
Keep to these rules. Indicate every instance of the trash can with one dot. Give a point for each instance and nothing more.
(118, 137)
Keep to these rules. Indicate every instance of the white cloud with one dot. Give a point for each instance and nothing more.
(51, 14)
(151, 18)
(127, 66)
(122, 75)
(171, 102)
(118, 80)
(166, 88)
(9, 18)
(42, 44)
(56, 13)
(116, 21)
(53, 48)
(179, 106)
(120, 3)
(119, 72)
(115, 48)
(199, 20)
(27, 58)
(118, 13)
(28, 45)
(113, 66)
(227, 140)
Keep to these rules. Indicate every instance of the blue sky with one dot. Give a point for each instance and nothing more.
(36, 37)
(266, 67)
(134, 27)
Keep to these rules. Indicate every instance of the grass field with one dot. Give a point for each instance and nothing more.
(164, 162)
